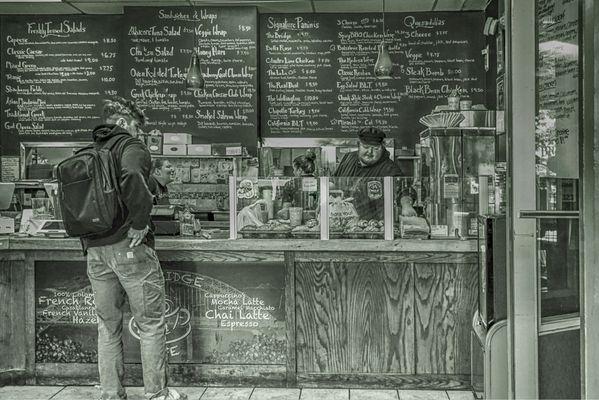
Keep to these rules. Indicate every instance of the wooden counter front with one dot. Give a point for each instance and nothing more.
(356, 312)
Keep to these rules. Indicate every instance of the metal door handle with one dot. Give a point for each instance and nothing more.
(540, 214)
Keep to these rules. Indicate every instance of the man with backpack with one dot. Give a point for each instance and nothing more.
(120, 256)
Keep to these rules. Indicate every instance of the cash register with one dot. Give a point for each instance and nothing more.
(166, 219)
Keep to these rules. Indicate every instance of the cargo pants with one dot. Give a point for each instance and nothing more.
(115, 271)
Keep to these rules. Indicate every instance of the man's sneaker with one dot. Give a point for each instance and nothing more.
(171, 395)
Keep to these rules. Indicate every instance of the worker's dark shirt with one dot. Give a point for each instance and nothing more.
(159, 191)
(350, 166)
(367, 193)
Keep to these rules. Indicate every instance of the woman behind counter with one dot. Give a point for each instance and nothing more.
(303, 166)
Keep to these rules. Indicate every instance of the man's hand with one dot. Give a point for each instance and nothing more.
(136, 236)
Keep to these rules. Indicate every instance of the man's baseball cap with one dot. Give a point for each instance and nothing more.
(371, 135)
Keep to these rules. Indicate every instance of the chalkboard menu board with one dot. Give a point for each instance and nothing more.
(55, 72)
(158, 45)
(317, 71)
(216, 313)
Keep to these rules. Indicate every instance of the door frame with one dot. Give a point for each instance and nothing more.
(522, 279)
(589, 275)
(523, 297)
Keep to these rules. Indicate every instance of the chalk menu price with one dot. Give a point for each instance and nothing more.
(317, 70)
(55, 72)
(159, 42)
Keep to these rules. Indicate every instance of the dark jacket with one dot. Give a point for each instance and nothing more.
(350, 166)
(133, 164)
(159, 191)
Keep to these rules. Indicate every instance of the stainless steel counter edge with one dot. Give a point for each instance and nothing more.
(343, 245)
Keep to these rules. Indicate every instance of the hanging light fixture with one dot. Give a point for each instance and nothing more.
(384, 65)
(194, 78)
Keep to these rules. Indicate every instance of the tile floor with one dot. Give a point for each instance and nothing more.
(246, 393)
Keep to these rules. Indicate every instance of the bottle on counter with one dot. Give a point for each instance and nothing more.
(186, 222)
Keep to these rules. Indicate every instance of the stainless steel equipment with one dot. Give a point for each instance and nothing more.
(453, 161)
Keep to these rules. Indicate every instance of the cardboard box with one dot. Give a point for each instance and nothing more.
(154, 144)
(199, 149)
(226, 149)
(174, 150)
(182, 175)
(176, 138)
(7, 225)
(196, 175)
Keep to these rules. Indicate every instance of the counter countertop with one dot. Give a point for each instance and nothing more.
(344, 245)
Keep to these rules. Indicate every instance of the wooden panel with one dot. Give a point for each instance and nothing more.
(445, 300)
(380, 317)
(179, 374)
(354, 318)
(220, 256)
(428, 381)
(29, 316)
(403, 257)
(321, 318)
(290, 317)
(12, 316)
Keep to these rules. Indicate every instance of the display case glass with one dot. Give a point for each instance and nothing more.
(276, 208)
(409, 219)
(356, 208)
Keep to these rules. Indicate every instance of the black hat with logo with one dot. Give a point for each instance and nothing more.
(371, 135)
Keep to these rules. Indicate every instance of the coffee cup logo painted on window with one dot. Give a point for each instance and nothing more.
(177, 319)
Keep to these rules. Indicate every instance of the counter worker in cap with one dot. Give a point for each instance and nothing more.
(163, 173)
(371, 160)
(123, 262)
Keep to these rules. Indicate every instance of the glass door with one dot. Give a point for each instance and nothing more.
(545, 146)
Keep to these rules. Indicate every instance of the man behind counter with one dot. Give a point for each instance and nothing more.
(162, 174)
(372, 158)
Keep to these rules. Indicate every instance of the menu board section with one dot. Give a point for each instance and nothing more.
(317, 75)
(55, 71)
(216, 313)
(159, 42)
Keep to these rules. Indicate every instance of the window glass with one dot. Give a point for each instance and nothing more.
(557, 135)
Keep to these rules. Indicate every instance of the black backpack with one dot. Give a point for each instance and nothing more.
(89, 191)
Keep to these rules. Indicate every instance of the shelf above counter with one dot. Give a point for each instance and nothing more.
(198, 156)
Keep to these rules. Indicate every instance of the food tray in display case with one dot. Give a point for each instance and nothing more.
(315, 208)
(264, 234)
(306, 234)
(274, 208)
(360, 208)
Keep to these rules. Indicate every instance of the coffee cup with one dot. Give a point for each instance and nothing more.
(295, 216)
